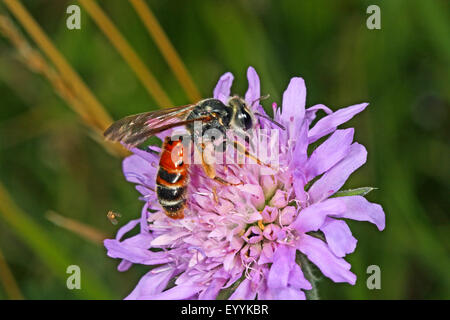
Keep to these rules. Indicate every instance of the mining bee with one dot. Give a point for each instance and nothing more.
(173, 173)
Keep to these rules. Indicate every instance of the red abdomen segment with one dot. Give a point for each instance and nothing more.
(171, 179)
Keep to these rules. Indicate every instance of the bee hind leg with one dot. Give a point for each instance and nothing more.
(211, 171)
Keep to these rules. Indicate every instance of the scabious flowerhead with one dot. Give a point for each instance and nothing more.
(248, 237)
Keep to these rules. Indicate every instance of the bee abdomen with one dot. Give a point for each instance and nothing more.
(170, 193)
(171, 180)
(174, 209)
(172, 200)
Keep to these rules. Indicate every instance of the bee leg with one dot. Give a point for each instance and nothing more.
(242, 149)
(216, 197)
(211, 171)
(223, 149)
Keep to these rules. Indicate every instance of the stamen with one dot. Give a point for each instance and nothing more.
(261, 225)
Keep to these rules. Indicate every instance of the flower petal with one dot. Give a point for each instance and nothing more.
(329, 153)
(288, 293)
(128, 227)
(150, 284)
(334, 179)
(339, 237)
(294, 99)
(254, 91)
(317, 251)
(134, 250)
(213, 289)
(168, 238)
(313, 217)
(124, 265)
(176, 293)
(299, 158)
(136, 169)
(354, 207)
(297, 279)
(223, 87)
(360, 209)
(310, 113)
(146, 155)
(330, 122)
(244, 291)
(283, 262)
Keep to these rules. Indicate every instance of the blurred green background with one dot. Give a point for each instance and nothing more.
(49, 161)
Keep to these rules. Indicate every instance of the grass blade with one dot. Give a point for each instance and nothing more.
(8, 281)
(46, 248)
(86, 232)
(36, 63)
(127, 52)
(93, 106)
(168, 51)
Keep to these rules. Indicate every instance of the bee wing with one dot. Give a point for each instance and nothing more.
(135, 129)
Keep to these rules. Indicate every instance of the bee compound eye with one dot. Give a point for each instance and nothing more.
(247, 120)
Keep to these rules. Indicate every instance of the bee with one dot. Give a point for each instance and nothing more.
(173, 172)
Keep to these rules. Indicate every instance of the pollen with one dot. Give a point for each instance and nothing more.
(261, 225)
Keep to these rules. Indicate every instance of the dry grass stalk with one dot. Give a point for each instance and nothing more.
(168, 51)
(96, 111)
(8, 281)
(127, 52)
(34, 61)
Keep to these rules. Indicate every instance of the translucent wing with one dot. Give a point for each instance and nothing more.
(135, 129)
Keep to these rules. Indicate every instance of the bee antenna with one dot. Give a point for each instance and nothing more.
(261, 98)
(270, 119)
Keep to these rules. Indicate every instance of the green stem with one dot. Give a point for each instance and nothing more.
(307, 269)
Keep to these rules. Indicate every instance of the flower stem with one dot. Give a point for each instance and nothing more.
(307, 269)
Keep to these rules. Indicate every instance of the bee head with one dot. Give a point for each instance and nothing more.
(243, 118)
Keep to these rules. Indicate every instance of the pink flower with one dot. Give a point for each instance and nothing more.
(250, 234)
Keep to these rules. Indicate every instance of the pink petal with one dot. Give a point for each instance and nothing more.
(253, 91)
(213, 289)
(339, 237)
(223, 87)
(126, 228)
(299, 161)
(330, 122)
(337, 269)
(310, 114)
(168, 238)
(283, 262)
(358, 208)
(294, 99)
(150, 284)
(334, 179)
(333, 150)
(288, 293)
(312, 218)
(279, 200)
(244, 291)
(138, 170)
(146, 155)
(353, 207)
(124, 265)
(134, 250)
(287, 215)
(176, 293)
(297, 279)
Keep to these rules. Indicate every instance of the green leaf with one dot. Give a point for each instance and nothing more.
(353, 192)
